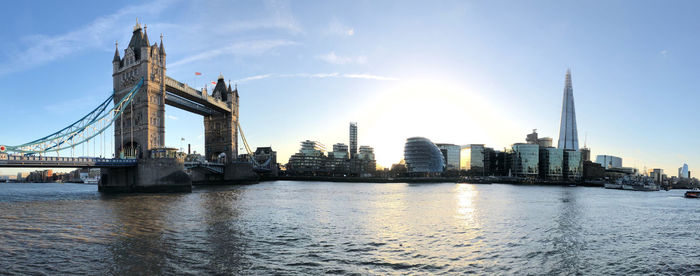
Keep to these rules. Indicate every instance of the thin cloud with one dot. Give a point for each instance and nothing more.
(342, 60)
(335, 27)
(281, 17)
(171, 117)
(369, 77)
(664, 53)
(239, 48)
(318, 76)
(44, 49)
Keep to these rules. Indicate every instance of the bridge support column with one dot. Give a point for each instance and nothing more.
(150, 175)
(240, 172)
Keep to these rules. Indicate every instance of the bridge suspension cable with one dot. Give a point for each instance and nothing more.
(249, 151)
(81, 131)
(245, 142)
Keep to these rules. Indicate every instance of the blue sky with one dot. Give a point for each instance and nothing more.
(453, 71)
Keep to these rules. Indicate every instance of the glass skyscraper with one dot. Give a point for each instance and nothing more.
(353, 139)
(568, 135)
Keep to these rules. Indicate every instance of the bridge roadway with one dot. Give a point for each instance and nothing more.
(182, 96)
(209, 166)
(21, 161)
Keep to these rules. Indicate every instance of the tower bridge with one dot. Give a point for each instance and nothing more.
(142, 162)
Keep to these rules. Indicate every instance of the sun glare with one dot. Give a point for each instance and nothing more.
(443, 111)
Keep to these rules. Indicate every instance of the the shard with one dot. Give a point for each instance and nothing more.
(568, 135)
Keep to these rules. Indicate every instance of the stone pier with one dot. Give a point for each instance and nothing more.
(151, 175)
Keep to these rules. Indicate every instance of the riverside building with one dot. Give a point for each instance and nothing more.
(526, 160)
(472, 159)
(451, 152)
(310, 160)
(609, 161)
(364, 164)
(422, 157)
(551, 163)
(573, 167)
(343, 161)
(353, 139)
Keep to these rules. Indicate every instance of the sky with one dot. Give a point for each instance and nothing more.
(462, 72)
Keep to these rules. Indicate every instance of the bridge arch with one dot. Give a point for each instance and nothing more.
(130, 149)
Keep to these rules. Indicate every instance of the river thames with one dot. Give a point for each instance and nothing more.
(289, 227)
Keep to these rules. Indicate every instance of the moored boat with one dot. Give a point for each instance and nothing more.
(613, 186)
(692, 194)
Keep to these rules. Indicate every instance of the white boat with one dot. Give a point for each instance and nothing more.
(92, 180)
(634, 184)
(613, 186)
(87, 179)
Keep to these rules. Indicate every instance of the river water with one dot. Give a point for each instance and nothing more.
(315, 228)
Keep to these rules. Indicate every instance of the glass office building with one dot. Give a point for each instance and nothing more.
(551, 163)
(423, 157)
(609, 161)
(472, 158)
(526, 159)
(451, 153)
(573, 166)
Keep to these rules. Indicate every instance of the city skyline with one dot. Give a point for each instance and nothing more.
(440, 87)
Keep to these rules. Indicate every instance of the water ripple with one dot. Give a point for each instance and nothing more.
(284, 228)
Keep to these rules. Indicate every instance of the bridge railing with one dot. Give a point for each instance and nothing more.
(33, 159)
(184, 87)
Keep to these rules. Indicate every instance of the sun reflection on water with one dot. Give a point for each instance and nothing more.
(466, 193)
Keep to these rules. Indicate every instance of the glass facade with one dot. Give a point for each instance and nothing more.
(526, 159)
(573, 167)
(422, 156)
(609, 161)
(353, 139)
(551, 163)
(472, 158)
(568, 135)
(340, 151)
(452, 155)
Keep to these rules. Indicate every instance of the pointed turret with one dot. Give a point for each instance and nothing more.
(144, 39)
(138, 41)
(117, 58)
(220, 89)
(136, 36)
(162, 50)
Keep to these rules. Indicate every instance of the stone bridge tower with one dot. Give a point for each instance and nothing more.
(135, 133)
(221, 130)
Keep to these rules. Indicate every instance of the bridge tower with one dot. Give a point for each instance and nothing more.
(142, 125)
(221, 129)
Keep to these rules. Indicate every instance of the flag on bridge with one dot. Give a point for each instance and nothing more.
(197, 73)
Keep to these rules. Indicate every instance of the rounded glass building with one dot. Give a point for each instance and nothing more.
(423, 157)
